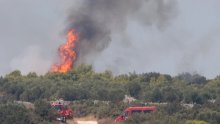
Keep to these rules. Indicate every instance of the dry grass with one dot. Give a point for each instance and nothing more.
(106, 121)
(28, 105)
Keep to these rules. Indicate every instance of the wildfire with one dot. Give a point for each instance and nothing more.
(66, 53)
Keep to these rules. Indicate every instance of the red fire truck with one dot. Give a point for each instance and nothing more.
(135, 109)
(62, 112)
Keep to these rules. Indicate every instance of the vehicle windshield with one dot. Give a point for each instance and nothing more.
(57, 107)
(125, 114)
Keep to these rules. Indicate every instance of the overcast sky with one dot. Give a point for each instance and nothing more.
(31, 31)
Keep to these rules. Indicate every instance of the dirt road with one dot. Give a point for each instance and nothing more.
(91, 120)
(87, 122)
(84, 120)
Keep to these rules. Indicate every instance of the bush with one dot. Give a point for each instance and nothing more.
(153, 118)
(44, 110)
(13, 113)
(196, 122)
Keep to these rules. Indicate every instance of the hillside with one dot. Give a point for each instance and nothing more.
(82, 87)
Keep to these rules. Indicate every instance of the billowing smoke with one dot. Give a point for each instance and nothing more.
(166, 36)
(97, 21)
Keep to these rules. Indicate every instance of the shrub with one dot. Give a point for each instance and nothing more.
(195, 122)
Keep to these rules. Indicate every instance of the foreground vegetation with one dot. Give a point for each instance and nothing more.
(82, 86)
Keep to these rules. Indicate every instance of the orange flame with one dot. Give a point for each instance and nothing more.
(67, 54)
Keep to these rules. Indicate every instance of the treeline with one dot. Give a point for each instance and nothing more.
(82, 83)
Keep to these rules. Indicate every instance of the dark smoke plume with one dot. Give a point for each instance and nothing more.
(97, 20)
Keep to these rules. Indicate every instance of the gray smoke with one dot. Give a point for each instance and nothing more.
(97, 20)
(166, 36)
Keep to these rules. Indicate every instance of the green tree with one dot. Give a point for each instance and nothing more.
(44, 110)
(134, 89)
(156, 96)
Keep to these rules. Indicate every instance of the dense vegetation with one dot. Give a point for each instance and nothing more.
(14, 113)
(82, 85)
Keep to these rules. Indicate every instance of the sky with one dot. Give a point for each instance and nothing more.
(31, 31)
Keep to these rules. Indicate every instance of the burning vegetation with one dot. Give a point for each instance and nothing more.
(67, 54)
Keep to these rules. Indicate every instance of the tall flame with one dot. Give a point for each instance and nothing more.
(66, 53)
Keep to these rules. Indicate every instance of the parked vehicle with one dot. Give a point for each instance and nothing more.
(62, 111)
(135, 109)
